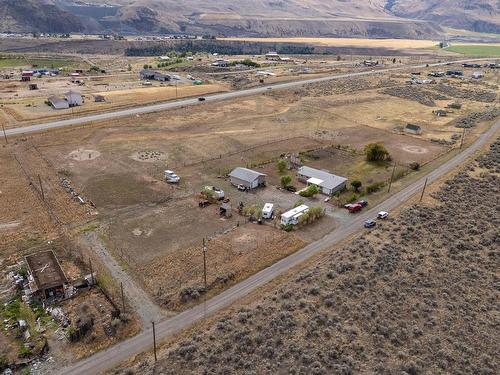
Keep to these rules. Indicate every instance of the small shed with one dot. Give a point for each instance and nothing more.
(33, 86)
(73, 98)
(58, 103)
(413, 129)
(99, 99)
(326, 181)
(247, 177)
(440, 113)
(45, 276)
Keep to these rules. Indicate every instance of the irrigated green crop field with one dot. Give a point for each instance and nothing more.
(476, 49)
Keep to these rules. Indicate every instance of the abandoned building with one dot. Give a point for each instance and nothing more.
(147, 74)
(326, 181)
(45, 276)
(413, 129)
(99, 98)
(247, 177)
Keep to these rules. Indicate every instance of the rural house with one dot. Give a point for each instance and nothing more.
(45, 276)
(413, 129)
(58, 103)
(147, 74)
(248, 178)
(73, 98)
(328, 182)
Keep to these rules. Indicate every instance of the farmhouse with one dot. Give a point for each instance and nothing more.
(73, 98)
(58, 103)
(45, 276)
(147, 74)
(292, 217)
(248, 178)
(328, 182)
(413, 129)
(272, 55)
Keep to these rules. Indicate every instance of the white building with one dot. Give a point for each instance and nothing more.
(326, 181)
(292, 217)
(73, 98)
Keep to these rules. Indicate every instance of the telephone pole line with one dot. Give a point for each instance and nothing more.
(154, 340)
(423, 190)
(205, 264)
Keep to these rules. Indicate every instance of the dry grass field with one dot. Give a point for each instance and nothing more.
(396, 44)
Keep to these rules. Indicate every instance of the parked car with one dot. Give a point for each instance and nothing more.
(363, 203)
(348, 206)
(370, 223)
(215, 192)
(355, 208)
(201, 99)
(383, 215)
(171, 177)
(242, 187)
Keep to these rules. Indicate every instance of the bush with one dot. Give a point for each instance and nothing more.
(414, 166)
(352, 198)
(24, 352)
(376, 186)
(356, 184)
(287, 228)
(281, 165)
(376, 152)
(3, 362)
(285, 181)
(311, 191)
(300, 202)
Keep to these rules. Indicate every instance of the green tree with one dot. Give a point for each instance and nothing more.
(356, 184)
(129, 68)
(285, 181)
(376, 152)
(281, 164)
(145, 66)
(311, 191)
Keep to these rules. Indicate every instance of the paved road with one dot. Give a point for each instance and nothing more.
(138, 298)
(122, 351)
(209, 98)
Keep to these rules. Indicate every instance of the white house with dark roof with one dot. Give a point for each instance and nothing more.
(247, 177)
(326, 181)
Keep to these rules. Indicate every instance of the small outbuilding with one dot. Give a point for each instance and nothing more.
(413, 129)
(33, 86)
(440, 113)
(247, 177)
(99, 99)
(326, 181)
(45, 276)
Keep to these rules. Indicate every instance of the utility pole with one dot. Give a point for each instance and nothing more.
(154, 340)
(392, 176)
(175, 89)
(41, 187)
(423, 190)
(123, 297)
(462, 140)
(91, 272)
(5, 135)
(205, 264)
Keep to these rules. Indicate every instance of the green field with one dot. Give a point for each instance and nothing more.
(12, 62)
(476, 50)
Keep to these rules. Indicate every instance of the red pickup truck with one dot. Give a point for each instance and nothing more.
(355, 208)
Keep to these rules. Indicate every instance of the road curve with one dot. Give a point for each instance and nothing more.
(210, 98)
(142, 342)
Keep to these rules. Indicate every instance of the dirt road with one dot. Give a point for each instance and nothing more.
(147, 310)
(209, 98)
(120, 352)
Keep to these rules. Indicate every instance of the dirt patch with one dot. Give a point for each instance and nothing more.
(414, 149)
(84, 155)
(149, 156)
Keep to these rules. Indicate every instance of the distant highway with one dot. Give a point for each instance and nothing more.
(120, 352)
(210, 98)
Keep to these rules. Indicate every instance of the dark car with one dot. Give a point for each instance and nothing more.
(202, 99)
(363, 203)
(370, 223)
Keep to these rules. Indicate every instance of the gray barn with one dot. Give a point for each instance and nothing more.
(247, 177)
